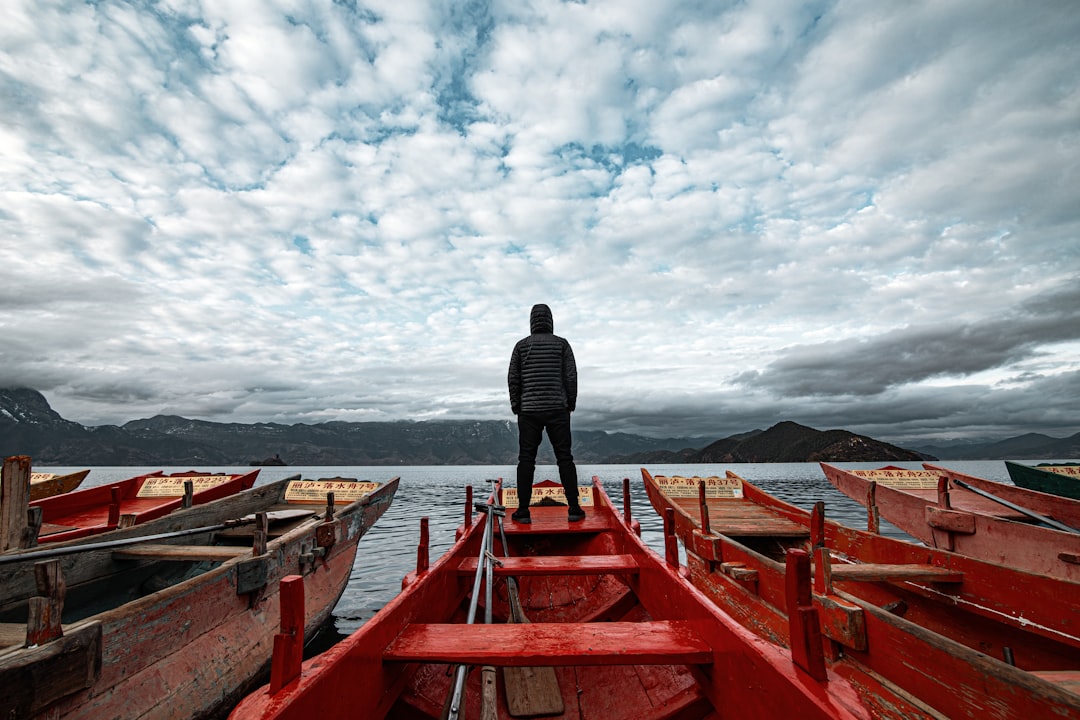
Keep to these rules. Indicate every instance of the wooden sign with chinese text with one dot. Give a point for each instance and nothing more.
(687, 487)
(1070, 470)
(312, 492)
(553, 494)
(174, 486)
(900, 478)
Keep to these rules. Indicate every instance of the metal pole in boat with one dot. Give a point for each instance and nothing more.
(481, 567)
(50, 552)
(1013, 506)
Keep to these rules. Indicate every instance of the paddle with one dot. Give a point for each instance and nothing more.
(1024, 511)
(87, 547)
(530, 691)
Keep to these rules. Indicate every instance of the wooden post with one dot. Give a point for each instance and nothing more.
(943, 499)
(822, 560)
(258, 546)
(114, 506)
(873, 517)
(703, 502)
(189, 494)
(34, 518)
(329, 507)
(422, 556)
(14, 501)
(468, 507)
(627, 517)
(288, 658)
(43, 623)
(671, 543)
(804, 629)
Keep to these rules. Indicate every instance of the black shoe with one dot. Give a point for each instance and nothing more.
(521, 516)
(574, 514)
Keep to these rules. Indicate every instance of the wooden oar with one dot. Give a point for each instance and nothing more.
(1013, 506)
(105, 544)
(530, 691)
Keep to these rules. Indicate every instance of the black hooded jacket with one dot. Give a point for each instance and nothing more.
(543, 374)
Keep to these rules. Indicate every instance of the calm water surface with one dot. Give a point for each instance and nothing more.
(388, 551)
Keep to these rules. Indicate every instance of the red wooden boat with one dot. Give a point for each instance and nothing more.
(1054, 478)
(175, 618)
(43, 484)
(136, 500)
(586, 623)
(943, 514)
(920, 632)
(1036, 506)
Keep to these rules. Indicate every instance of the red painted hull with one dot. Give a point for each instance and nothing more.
(96, 510)
(191, 649)
(939, 643)
(971, 525)
(627, 635)
(1064, 510)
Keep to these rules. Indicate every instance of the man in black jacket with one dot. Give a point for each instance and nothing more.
(543, 393)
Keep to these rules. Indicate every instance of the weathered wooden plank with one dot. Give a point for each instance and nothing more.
(36, 677)
(14, 499)
(871, 572)
(558, 565)
(556, 644)
(214, 553)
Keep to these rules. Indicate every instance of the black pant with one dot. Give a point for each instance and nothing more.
(531, 427)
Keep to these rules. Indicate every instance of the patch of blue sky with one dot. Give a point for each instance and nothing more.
(469, 26)
(613, 158)
(302, 244)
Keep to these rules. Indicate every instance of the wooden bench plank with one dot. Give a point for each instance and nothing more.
(872, 572)
(180, 552)
(549, 521)
(558, 565)
(555, 644)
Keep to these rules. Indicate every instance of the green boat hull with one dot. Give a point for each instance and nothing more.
(1041, 478)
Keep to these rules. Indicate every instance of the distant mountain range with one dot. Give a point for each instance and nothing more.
(1032, 446)
(29, 426)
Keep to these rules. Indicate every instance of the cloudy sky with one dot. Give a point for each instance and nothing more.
(857, 215)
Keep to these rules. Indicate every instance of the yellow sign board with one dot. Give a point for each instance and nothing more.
(1070, 470)
(313, 492)
(687, 487)
(554, 494)
(174, 486)
(41, 477)
(901, 479)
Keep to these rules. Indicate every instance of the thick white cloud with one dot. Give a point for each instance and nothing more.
(847, 214)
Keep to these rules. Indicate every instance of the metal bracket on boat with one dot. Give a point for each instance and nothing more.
(495, 509)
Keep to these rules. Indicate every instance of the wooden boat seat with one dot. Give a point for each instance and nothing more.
(552, 644)
(198, 553)
(558, 565)
(873, 572)
(549, 521)
(736, 517)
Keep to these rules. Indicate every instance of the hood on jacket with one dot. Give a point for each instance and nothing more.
(540, 320)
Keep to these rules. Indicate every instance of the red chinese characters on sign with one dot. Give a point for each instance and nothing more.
(174, 486)
(901, 478)
(312, 492)
(553, 495)
(688, 487)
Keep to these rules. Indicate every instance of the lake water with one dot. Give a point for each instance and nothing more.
(388, 551)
